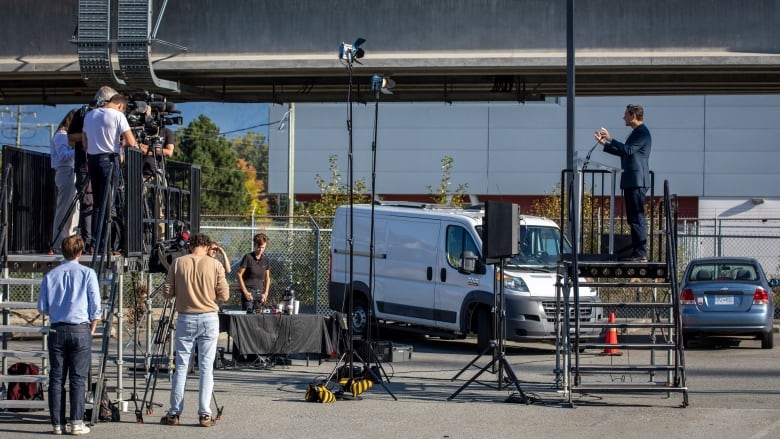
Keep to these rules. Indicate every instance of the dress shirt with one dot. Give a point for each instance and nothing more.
(62, 155)
(70, 294)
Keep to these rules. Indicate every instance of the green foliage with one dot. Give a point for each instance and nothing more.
(253, 148)
(442, 194)
(334, 193)
(594, 211)
(222, 183)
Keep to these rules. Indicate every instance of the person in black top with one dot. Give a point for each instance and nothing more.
(254, 275)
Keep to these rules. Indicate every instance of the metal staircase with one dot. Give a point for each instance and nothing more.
(39, 356)
(644, 298)
(14, 334)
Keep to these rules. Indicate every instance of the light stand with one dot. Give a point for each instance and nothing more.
(349, 54)
(379, 85)
(496, 348)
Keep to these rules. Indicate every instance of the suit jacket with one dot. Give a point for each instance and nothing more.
(634, 157)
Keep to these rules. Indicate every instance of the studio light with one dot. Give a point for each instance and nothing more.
(352, 52)
(383, 84)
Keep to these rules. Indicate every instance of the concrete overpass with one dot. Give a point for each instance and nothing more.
(436, 50)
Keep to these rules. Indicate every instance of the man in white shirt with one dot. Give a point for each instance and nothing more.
(104, 128)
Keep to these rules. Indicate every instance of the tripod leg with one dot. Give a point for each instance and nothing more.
(373, 375)
(377, 363)
(503, 362)
(490, 347)
(474, 378)
(219, 409)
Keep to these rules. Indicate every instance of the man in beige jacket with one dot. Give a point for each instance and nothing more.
(197, 283)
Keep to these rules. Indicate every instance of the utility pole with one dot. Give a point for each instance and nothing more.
(18, 113)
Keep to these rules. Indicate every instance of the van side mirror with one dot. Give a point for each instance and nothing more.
(468, 262)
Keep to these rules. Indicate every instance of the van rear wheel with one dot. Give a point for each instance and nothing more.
(484, 325)
(359, 315)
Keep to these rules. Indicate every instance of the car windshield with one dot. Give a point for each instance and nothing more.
(722, 272)
(538, 245)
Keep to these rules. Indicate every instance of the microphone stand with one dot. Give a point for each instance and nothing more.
(587, 157)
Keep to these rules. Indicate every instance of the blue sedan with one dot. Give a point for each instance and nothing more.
(728, 296)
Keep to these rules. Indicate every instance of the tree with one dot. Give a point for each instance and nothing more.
(254, 187)
(253, 148)
(594, 210)
(223, 187)
(334, 193)
(442, 195)
(252, 153)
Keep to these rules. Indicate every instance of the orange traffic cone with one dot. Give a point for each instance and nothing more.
(611, 338)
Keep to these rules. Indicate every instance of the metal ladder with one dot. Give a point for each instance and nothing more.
(27, 355)
(653, 358)
(38, 264)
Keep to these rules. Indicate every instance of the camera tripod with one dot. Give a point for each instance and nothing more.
(499, 364)
(154, 203)
(162, 344)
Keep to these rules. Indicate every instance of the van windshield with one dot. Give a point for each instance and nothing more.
(539, 246)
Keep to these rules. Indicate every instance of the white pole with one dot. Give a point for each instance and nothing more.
(291, 161)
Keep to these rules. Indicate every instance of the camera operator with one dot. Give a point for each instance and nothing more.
(103, 128)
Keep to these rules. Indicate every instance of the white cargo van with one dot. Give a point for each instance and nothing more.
(420, 282)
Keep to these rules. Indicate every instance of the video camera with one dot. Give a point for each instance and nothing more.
(164, 252)
(147, 113)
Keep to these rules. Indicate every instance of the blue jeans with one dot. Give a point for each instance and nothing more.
(202, 329)
(104, 175)
(70, 353)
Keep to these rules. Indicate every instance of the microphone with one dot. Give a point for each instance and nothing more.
(587, 157)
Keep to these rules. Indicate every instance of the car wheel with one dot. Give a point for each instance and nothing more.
(484, 325)
(359, 315)
(686, 340)
(768, 340)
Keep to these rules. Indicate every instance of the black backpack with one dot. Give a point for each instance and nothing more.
(24, 391)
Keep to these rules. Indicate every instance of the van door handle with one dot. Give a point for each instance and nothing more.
(429, 273)
(443, 275)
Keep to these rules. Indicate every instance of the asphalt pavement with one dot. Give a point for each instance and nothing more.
(734, 393)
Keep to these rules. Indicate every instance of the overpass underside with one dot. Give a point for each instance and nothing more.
(435, 50)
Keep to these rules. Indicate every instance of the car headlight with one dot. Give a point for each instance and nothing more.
(515, 284)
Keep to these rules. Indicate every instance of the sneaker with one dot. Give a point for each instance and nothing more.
(79, 429)
(634, 259)
(57, 430)
(207, 421)
(170, 420)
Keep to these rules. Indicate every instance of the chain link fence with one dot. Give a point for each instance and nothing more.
(699, 238)
(298, 248)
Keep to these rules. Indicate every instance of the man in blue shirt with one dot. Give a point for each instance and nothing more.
(634, 156)
(70, 296)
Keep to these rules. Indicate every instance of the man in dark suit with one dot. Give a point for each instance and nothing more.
(634, 156)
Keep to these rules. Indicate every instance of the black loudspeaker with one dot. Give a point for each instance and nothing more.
(499, 230)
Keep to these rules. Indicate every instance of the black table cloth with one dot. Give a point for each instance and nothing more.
(266, 334)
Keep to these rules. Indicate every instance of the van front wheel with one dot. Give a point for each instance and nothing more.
(484, 325)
